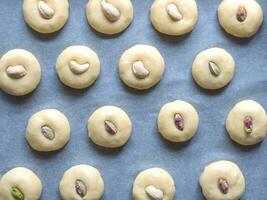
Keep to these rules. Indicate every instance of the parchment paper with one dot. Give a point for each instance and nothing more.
(146, 148)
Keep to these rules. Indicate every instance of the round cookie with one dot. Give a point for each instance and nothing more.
(81, 182)
(48, 130)
(213, 68)
(46, 16)
(178, 121)
(109, 16)
(141, 67)
(153, 183)
(78, 67)
(20, 183)
(240, 18)
(109, 126)
(174, 17)
(20, 72)
(247, 123)
(222, 180)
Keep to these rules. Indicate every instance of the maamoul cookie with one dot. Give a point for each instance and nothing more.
(141, 67)
(81, 182)
(241, 18)
(48, 130)
(20, 184)
(178, 121)
(109, 126)
(213, 68)
(78, 67)
(247, 123)
(20, 72)
(46, 16)
(109, 16)
(174, 17)
(153, 184)
(222, 180)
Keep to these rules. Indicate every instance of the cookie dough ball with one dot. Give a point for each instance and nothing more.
(20, 183)
(178, 121)
(141, 67)
(213, 68)
(109, 126)
(46, 16)
(20, 72)
(174, 17)
(81, 182)
(48, 130)
(222, 180)
(241, 18)
(153, 184)
(109, 16)
(247, 123)
(78, 67)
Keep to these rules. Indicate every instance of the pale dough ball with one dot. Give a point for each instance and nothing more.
(222, 180)
(109, 16)
(247, 123)
(20, 181)
(141, 67)
(20, 72)
(46, 16)
(48, 130)
(174, 17)
(109, 126)
(81, 182)
(213, 68)
(241, 18)
(178, 121)
(78, 67)
(153, 182)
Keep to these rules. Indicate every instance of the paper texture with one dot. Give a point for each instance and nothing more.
(146, 148)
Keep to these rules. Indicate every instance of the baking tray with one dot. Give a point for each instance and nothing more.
(146, 148)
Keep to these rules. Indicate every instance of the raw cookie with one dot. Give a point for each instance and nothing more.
(109, 126)
(20, 183)
(153, 184)
(46, 16)
(20, 72)
(222, 180)
(78, 67)
(241, 18)
(178, 121)
(81, 182)
(109, 16)
(48, 130)
(213, 68)
(174, 17)
(247, 123)
(141, 67)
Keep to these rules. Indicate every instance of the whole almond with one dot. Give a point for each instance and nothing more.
(17, 71)
(45, 11)
(110, 12)
(154, 193)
